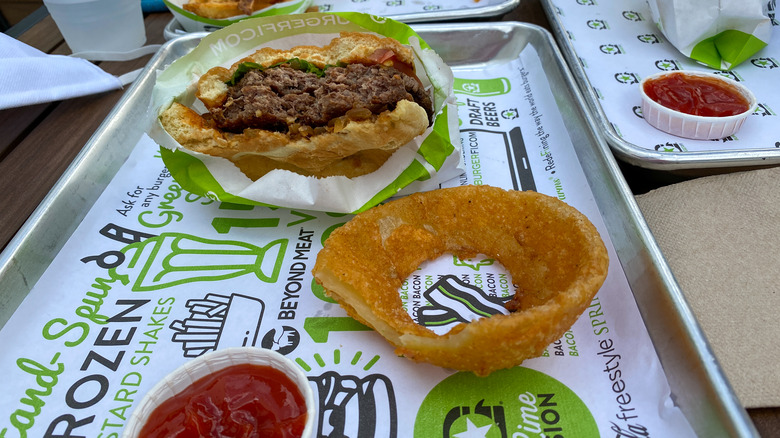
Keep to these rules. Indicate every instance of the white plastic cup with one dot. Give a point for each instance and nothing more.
(99, 25)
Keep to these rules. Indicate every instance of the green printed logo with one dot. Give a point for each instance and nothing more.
(171, 259)
(768, 63)
(667, 65)
(649, 38)
(670, 147)
(517, 402)
(763, 109)
(597, 24)
(471, 263)
(632, 16)
(627, 78)
(482, 87)
(611, 49)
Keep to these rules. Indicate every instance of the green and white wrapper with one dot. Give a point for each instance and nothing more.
(421, 164)
(195, 23)
(720, 34)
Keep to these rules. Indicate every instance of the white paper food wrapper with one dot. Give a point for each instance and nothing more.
(720, 34)
(194, 23)
(428, 159)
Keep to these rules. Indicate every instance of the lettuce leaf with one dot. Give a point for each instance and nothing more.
(243, 68)
(296, 63)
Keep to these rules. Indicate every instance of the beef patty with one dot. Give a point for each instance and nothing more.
(284, 98)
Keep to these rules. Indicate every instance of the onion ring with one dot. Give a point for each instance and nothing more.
(554, 253)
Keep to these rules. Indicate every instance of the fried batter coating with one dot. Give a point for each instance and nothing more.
(553, 252)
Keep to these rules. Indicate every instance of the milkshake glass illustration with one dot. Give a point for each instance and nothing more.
(172, 259)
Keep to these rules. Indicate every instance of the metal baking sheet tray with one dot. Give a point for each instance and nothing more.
(627, 28)
(429, 12)
(700, 388)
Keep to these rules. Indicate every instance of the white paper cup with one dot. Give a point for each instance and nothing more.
(691, 126)
(202, 366)
(99, 25)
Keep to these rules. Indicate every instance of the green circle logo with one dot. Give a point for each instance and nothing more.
(517, 402)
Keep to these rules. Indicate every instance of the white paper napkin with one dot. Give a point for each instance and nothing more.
(29, 76)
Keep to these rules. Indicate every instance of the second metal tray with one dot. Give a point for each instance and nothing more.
(429, 12)
(607, 21)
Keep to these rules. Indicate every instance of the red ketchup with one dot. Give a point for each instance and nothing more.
(239, 401)
(696, 95)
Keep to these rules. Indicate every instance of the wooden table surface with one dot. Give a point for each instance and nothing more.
(38, 142)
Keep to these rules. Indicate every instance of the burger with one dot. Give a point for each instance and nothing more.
(220, 9)
(341, 109)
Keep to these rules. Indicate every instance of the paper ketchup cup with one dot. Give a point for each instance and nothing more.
(673, 114)
(210, 365)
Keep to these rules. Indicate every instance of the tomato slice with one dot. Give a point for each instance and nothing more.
(389, 58)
